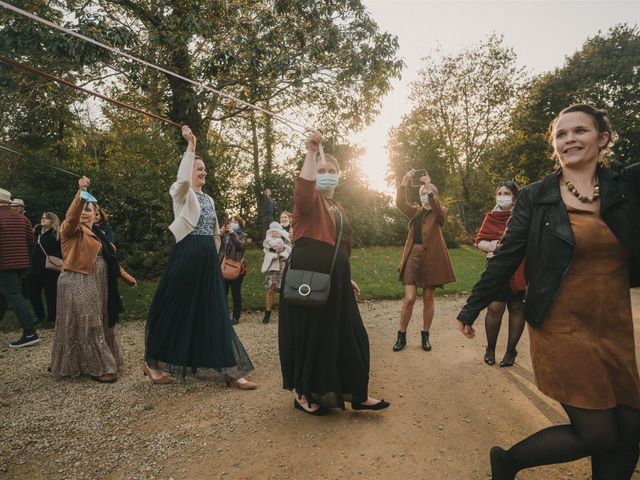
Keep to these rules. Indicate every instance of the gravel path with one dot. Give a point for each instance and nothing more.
(448, 409)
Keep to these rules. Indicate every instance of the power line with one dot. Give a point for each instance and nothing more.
(48, 76)
(290, 123)
(45, 164)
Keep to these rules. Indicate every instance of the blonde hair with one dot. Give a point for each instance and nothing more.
(55, 223)
(331, 159)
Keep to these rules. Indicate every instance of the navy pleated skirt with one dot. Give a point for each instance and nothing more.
(188, 324)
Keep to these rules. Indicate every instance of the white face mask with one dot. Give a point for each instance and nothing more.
(284, 223)
(504, 200)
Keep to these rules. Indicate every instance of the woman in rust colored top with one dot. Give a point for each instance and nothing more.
(324, 351)
(511, 295)
(425, 260)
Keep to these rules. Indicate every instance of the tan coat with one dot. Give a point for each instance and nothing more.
(80, 246)
(436, 253)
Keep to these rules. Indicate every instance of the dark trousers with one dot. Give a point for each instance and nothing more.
(11, 290)
(236, 288)
(48, 282)
(266, 221)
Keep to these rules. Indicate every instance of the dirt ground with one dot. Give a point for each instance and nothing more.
(447, 409)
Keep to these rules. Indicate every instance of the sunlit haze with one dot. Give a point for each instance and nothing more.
(541, 33)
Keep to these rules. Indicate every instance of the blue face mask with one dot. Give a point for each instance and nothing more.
(87, 197)
(326, 181)
(424, 199)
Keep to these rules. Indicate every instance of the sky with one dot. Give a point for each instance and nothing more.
(542, 33)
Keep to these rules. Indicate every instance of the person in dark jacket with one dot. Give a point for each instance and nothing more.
(267, 211)
(233, 241)
(47, 243)
(579, 230)
(16, 242)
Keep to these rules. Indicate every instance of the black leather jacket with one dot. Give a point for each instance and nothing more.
(539, 230)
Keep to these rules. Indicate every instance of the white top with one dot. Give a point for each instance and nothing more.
(186, 208)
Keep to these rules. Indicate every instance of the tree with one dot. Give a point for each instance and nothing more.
(464, 101)
(605, 72)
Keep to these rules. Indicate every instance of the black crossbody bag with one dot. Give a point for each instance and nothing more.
(307, 288)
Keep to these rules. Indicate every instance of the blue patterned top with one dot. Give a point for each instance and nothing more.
(207, 221)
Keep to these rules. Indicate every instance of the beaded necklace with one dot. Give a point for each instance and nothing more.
(583, 198)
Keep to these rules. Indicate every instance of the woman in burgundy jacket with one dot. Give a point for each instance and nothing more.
(324, 351)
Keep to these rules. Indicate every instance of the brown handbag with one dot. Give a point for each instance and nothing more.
(231, 269)
(51, 262)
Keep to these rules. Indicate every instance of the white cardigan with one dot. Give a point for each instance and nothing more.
(186, 208)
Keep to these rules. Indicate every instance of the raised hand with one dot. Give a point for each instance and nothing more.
(314, 140)
(84, 183)
(406, 180)
(188, 135)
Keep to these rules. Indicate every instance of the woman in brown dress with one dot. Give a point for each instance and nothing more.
(425, 260)
(88, 304)
(580, 232)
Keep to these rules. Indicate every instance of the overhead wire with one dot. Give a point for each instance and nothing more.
(48, 76)
(45, 164)
(294, 125)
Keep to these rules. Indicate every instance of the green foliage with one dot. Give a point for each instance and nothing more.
(605, 72)
(462, 104)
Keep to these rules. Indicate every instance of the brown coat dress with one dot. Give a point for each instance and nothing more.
(436, 256)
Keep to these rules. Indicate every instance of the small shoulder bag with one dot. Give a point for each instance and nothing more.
(307, 288)
(50, 262)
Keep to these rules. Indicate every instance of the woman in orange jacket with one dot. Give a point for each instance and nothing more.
(84, 339)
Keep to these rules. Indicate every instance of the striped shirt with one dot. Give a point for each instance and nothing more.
(16, 240)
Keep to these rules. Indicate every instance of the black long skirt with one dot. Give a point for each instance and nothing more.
(324, 352)
(188, 324)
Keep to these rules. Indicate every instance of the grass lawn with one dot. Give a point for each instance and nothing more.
(373, 268)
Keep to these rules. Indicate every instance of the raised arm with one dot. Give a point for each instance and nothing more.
(308, 172)
(436, 207)
(71, 221)
(182, 184)
(407, 209)
(305, 194)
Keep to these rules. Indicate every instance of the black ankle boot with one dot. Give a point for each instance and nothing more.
(401, 342)
(509, 358)
(267, 315)
(501, 467)
(426, 346)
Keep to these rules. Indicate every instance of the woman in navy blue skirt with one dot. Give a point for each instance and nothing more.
(188, 326)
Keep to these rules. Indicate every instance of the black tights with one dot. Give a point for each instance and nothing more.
(610, 437)
(493, 320)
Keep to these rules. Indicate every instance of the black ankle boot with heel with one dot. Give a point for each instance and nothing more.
(401, 342)
(509, 358)
(426, 346)
(267, 316)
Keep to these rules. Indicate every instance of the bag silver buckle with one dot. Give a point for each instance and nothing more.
(304, 289)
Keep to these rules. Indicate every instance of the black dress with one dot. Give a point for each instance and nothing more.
(324, 352)
(188, 325)
(40, 278)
